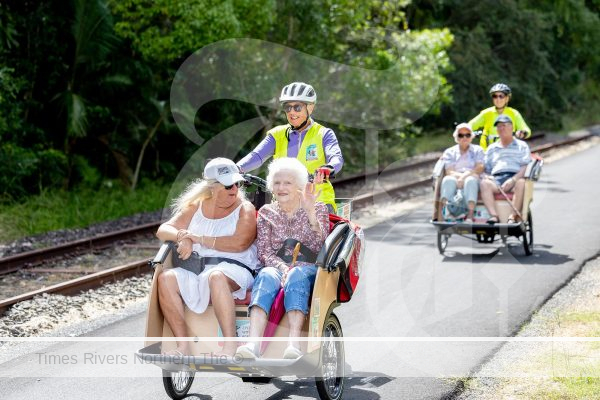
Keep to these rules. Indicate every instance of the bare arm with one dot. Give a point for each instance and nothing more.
(478, 170)
(179, 222)
(175, 230)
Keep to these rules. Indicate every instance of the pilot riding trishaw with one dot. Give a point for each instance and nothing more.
(484, 232)
(323, 358)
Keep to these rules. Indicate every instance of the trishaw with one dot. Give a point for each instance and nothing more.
(484, 232)
(339, 265)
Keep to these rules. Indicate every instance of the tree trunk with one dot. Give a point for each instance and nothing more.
(138, 165)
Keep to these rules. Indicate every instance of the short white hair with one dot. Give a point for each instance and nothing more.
(291, 165)
(464, 125)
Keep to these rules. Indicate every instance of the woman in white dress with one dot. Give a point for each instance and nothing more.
(212, 218)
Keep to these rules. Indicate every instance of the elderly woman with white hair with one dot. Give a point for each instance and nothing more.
(294, 217)
(213, 219)
(463, 163)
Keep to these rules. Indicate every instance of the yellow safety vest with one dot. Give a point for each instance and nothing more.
(311, 154)
(486, 119)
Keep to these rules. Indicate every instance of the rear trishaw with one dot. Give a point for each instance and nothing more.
(484, 232)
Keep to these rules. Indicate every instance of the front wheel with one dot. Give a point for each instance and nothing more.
(442, 242)
(527, 235)
(177, 383)
(330, 383)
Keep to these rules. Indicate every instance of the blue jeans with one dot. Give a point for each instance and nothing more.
(470, 188)
(297, 288)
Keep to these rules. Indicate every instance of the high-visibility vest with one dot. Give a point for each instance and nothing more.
(486, 119)
(311, 154)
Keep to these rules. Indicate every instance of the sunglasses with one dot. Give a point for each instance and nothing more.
(229, 187)
(296, 107)
(498, 96)
(464, 135)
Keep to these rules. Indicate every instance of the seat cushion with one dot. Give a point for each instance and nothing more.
(500, 196)
(497, 196)
(246, 301)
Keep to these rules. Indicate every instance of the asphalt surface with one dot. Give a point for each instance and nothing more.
(417, 320)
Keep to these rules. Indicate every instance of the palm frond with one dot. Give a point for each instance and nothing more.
(93, 31)
(76, 115)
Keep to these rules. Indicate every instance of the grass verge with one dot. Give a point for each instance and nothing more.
(54, 210)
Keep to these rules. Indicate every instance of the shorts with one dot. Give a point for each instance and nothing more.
(502, 177)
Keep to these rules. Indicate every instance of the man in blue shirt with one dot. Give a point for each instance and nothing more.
(505, 162)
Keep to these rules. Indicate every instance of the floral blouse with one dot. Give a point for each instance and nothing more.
(274, 227)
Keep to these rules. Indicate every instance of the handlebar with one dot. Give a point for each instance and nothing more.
(327, 171)
(255, 180)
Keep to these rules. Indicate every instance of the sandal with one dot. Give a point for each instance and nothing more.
(468, 221)
(493, 220)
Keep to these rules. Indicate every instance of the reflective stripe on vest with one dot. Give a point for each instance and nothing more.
(311, 153)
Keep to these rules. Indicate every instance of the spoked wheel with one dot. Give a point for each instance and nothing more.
(331, 382)
(527, 235)
(442, 241)
(177, 383)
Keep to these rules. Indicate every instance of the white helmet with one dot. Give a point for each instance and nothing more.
(298, 91)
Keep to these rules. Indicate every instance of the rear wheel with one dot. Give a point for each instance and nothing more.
(442, 242)
(330, 383)
(177, 383)
(527, 235)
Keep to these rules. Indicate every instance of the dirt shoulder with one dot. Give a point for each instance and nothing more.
(559, 357)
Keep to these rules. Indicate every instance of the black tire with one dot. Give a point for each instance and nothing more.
(330, 383)
(527, 235)
(442, 242)
(177, 384)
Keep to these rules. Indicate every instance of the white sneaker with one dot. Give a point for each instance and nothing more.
(247, 351)
(292, 353)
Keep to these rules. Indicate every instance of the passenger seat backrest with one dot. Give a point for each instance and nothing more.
(534, 168)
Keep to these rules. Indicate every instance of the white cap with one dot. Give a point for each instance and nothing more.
(223, 170)
(464, 125)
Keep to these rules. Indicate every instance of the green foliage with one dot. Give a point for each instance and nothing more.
(164, 31)
(9, 107)
(24, 171)
(548, 52)
(85, 84)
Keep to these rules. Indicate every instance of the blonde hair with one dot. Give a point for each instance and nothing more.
(288, 164)
(198, 190)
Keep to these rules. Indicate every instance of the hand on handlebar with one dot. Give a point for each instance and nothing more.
(325, 171)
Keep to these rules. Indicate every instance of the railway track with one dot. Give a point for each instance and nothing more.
(31, 258)
(28, 259)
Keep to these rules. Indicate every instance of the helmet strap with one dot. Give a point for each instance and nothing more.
(302, 125)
